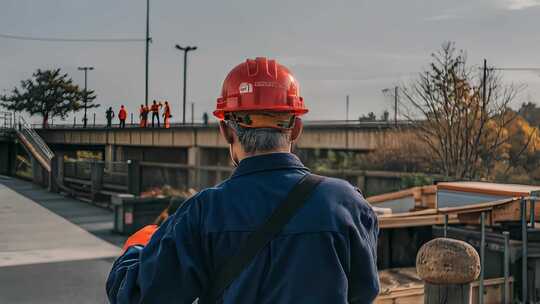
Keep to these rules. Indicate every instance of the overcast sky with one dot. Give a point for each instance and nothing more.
(334, 47)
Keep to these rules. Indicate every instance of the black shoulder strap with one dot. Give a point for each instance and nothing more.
(260, 238)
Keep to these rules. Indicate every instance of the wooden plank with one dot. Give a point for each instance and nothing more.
(512, 212)
(514, 190)
(390, 196)
(400, 285)
(474, 218)
(415, 221)
(493, 288)
(413, 213)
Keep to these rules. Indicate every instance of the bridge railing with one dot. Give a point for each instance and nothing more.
(98, 180)
(7, 122)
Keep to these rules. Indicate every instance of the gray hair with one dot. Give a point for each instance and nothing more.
(260, 139)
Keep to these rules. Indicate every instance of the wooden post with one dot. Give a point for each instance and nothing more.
(447, 267)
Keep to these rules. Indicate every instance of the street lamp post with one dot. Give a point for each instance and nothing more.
(185, 50)
(147, 50)
(85, 69)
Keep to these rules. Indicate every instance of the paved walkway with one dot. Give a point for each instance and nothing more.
(52, 249)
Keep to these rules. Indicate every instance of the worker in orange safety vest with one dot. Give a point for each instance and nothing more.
(155, 112)
(166, 115)
(143, 115)
(122, 115)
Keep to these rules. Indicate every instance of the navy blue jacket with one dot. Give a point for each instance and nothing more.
(325, 254)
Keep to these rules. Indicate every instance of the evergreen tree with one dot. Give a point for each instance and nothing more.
(49, 93)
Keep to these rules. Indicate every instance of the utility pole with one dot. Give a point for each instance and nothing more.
(185, 50)
(192, 113)
(484, 83)
(396, 97)
(148, 39)
(85, 69)
(347, 108)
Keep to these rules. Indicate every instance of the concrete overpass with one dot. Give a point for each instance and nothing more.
(355, 136)
(196, 156)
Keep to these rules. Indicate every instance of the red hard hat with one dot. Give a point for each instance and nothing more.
(260, 85)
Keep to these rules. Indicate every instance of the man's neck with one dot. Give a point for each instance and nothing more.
(242, 155)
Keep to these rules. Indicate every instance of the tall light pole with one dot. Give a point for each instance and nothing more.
(347, 108)
(148, 40)
(192, 113)
(85, 69)
(185, 50)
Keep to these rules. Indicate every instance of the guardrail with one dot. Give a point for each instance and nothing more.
(308, 123)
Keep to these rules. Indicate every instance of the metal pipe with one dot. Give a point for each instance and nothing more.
(533, 216)
(482, 255)
(524, 254)
(445, 225)
(506, 263)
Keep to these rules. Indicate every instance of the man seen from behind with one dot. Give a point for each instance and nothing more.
(324, 253)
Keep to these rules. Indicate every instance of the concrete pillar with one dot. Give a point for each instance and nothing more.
(13, 158)
(59, 158)
(37, 174)
(96, 175)
(7, 158)
(109, 155)
(134, 177)
(194, 159)
(53, 175)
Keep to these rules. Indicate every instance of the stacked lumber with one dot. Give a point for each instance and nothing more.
(400, 285)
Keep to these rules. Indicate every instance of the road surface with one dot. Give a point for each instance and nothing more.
(53, 249)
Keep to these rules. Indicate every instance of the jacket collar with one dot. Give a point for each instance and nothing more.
(267, 162)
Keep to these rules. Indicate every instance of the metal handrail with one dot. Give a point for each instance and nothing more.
(30, 134)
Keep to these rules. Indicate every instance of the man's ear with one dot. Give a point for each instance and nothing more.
(226, 132)
(297, 129)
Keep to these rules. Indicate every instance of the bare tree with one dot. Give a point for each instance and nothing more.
(460, 113)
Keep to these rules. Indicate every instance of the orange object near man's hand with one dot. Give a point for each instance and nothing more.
(141, 237)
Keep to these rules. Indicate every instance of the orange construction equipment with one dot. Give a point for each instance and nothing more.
(167, 115)
(260, 86)
(141, 237)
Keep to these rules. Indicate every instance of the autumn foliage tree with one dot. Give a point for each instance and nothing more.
(49, 93)
(462, 115)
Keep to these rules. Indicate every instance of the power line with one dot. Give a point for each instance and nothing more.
(53, 39)
(516, 69)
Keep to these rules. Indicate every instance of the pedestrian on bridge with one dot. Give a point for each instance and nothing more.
(109, 114)
(271, 233)
(155, 112)
(122, 115)
(143, 115)
(166, 115)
